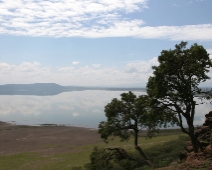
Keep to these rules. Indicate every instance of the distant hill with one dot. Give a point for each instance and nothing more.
(39, 89)
(48, 89)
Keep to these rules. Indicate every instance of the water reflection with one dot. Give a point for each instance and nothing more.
(76, 108)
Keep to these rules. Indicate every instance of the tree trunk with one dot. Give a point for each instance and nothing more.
(139, 149)
(194, 143)
(194, 140)
(141, 152)
(136, 144)
(190, 133)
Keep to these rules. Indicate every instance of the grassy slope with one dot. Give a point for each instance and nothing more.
(25, 161)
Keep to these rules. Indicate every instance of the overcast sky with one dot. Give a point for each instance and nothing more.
(95, 42)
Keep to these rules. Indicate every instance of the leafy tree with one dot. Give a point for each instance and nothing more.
(122, 115)
(175, 82)
(130, 113)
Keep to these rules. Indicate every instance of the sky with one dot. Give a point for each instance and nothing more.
(96, 42)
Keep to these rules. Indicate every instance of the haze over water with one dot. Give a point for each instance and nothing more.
(75, 108)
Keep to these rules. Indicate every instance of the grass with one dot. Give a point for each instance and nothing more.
(26, 161)
(79, 157)
(162, 155)
(164, 132)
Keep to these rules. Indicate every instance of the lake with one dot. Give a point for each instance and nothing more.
(75, 108)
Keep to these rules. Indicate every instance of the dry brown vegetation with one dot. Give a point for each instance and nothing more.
(47, 140)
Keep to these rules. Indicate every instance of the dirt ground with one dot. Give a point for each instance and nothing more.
(47, 140)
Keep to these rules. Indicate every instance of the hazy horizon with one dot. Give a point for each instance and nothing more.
(116, 86)
(75, 108)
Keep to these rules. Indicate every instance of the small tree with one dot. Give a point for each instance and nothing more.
(130, 113)
(175, 82)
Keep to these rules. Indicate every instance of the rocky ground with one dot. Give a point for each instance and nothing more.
(202, 159)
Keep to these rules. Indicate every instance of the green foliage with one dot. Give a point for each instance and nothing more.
(76, 168)
(180, 71)
(178, 75)
(115, 159)
(131, 112)
(175, 81)
(207, 163)
(98, 160)
(164, 162)
(162, 155)
(144, 168)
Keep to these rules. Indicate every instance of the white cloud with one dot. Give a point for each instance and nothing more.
(130, 73)
(85, 75)
(75, 62)
(96, 65)
(75, 114)
(210, 52)
(97, 111)
(25, 72)
(141, 66)
(66, 69)
(90, 19)
(31, 105)
(62, 18)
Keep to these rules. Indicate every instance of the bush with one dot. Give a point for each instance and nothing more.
(160, 155)
(114, 159)
(76, 168)
(164, 154)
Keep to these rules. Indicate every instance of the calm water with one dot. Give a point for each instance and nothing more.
(76, 108)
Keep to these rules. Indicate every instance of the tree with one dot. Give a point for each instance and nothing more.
(175, 82)
(130, 113)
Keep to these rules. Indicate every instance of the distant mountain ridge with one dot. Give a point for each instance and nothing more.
(48, 89)
(38, 89)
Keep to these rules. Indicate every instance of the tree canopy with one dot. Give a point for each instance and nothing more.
(175, 83)
(130, 113)
(122, 115)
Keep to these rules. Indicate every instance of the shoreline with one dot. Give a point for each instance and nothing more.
(13, 123)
